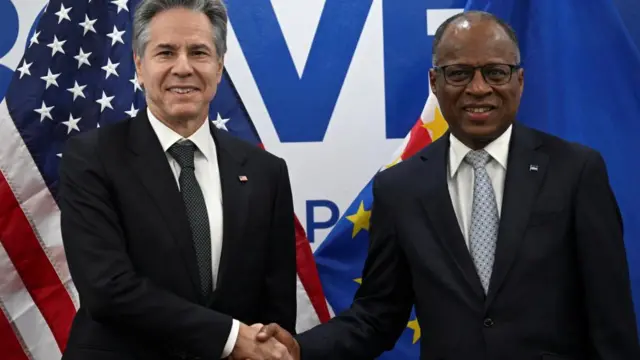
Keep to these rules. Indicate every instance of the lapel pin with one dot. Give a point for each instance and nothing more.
(533, 167)
(243, 178)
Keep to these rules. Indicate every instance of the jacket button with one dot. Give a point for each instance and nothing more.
(488, 322)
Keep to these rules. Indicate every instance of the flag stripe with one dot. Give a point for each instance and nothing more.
(28, 186)
(29, 231)
(29, 328)
(309, 274)
(11, 347)
(306, 317)
(419, 138)
(33, 266)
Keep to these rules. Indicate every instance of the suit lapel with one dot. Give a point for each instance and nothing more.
(150, 164)
(235, 196)
(526, 168)
(437, 203)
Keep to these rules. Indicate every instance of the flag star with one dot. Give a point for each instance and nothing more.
(133, 112)
(72, 124)
(76, 90)
(105, 101)
(34, 39)
(110, 68)
(63, 13)
(59, 155)
(24, 69)
(220, 123)
(136, 84)
(56, 45)
(122, 5)
(360, 220)
(50, 78)
(44, 111)
(83, 58)
(116, 35)
(87, 24)
(415, 326)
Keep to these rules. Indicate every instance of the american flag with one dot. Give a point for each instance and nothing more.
(77, 73)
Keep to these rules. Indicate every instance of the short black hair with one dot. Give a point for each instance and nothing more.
(483, 15)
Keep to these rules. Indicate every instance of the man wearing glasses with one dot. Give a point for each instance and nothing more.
(508, 240)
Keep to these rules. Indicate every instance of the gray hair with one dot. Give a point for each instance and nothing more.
(215, 10)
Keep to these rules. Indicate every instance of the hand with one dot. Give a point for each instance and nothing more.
(274, 331)
(247, 348)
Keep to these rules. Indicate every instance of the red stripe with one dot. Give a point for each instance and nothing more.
(33, 266)
(419, 138)
(308, 273)
(11, 348)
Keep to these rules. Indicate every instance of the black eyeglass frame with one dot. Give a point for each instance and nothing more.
(483, 68)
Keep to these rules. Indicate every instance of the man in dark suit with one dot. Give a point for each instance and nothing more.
(178, 236)
(508, 240)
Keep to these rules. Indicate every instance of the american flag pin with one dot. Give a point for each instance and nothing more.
(533, 167)
(243, 178)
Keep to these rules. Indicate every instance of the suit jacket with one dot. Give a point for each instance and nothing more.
(128, 245)
(560, 285)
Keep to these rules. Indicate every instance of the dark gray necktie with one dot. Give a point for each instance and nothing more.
(183, 153)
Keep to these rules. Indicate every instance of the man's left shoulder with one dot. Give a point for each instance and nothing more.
(254, 155)
(564, 150)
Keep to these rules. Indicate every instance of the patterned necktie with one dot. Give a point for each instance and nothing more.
(483, 233)
(183, 153)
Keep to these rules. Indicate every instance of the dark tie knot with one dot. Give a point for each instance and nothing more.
(477, 158)
(183, 153)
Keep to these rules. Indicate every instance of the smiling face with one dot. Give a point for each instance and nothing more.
(180, 69)
(478, 111)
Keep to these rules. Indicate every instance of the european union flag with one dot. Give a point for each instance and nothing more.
(582, 84)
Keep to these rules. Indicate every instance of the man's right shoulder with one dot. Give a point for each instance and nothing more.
(110, 135)
(398, 176)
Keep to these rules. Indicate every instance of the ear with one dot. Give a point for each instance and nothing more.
(521, 80)
(138, 63)
(433, 77)
(220, 69)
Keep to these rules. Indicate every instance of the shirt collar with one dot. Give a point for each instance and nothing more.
(498, 149)
(201, 138)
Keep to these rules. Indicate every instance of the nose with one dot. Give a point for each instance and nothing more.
(478, 87)
(182, 66)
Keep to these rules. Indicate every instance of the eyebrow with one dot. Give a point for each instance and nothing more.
(168, 46)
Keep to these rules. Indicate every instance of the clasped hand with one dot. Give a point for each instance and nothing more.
(258, 342)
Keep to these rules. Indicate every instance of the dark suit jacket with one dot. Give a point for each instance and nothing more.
(560, 286)
(128, 244)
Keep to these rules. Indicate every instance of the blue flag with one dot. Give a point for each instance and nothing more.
(581, 83)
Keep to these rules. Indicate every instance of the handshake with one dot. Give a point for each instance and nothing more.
(270, 342)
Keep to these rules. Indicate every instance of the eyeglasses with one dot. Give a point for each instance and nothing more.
(461, 75)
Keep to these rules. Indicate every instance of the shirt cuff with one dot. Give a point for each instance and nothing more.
(231, 341)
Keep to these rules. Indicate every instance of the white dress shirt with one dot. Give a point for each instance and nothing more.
(208, 176)
(461, 177)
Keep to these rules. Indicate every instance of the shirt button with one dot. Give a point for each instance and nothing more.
(488, 322)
